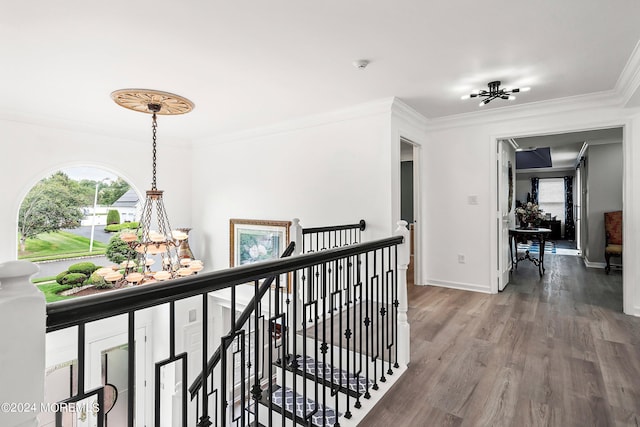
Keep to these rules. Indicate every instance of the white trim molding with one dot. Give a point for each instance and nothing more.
(380, 106)
(629, 81)
(458, 285)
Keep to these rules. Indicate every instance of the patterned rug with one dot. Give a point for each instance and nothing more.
(534, 247)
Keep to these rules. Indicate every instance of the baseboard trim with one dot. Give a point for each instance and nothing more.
(590, 264)
(461, 286)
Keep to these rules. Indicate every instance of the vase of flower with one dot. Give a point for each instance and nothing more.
(529, 215)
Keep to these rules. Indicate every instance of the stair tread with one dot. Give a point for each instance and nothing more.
(338, 376)
(286, 395)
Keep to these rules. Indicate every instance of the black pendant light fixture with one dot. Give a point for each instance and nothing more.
(495, 92)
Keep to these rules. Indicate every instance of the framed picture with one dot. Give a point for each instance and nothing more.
(254, 240)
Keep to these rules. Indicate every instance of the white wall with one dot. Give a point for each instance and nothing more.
(458, 165)
(32, 152)
(604, 194)
(323, 173)
(523, 188)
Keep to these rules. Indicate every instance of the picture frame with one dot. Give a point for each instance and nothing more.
(255, 240)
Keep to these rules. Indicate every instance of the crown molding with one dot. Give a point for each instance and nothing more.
(629, 81)
(404, 111)
(82, 128)
(380, 106)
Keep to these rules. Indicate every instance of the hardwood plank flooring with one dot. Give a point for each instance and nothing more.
(550, 351)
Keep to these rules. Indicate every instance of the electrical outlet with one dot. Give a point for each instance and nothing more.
(461, 259)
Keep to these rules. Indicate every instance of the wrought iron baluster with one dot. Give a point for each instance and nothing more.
(81, 357)
(367, 325)
(375, 314)
(223, 381)
(336, 301)
(324, 346)
(396, 304)
(132, 369)
(389, 308)
(256, 391)
(357, 330)
(347, 336)
(204, 419)
(383, 313)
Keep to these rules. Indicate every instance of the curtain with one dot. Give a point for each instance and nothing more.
(534, 190)
(569, 226)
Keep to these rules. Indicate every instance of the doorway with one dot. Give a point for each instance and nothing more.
(588, 165)
(410, 202)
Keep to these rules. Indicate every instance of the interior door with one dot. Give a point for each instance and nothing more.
(506, 191)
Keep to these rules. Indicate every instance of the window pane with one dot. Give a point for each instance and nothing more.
(551, 197)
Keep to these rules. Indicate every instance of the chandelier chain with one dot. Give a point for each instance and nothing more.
(154, 125)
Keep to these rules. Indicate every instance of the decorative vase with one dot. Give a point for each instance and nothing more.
(184, 251)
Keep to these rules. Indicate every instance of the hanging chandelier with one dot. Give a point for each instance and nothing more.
(495, 92)
(154, 254)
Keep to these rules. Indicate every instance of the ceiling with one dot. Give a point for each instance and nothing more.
(248, 64)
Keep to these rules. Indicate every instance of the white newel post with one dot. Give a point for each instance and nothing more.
(22, 337)
(404, 255)
(296, 235)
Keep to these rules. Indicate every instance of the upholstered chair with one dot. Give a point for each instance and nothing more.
(613, 229)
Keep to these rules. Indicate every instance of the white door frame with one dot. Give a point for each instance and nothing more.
(629, 272)
(417, 204)
(503, 219)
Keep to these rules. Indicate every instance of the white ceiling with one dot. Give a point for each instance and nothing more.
(248, 64)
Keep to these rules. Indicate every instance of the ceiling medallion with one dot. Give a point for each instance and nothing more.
(495, 92)
(141, 99)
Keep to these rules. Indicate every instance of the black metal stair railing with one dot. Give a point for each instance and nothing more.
(322, 238)
(316, 335)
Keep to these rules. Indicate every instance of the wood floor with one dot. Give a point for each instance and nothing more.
(551, 351)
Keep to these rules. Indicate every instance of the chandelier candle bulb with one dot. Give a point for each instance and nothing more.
(162, 275)
(195, 267)
(179, 235)
(128, 237)
(184, 271)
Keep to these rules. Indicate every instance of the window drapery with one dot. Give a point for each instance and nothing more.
(534, 190)
(569, 227)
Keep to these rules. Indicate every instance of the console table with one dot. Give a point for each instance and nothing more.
(539, 234)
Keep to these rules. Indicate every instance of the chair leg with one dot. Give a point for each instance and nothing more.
(607, 257)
